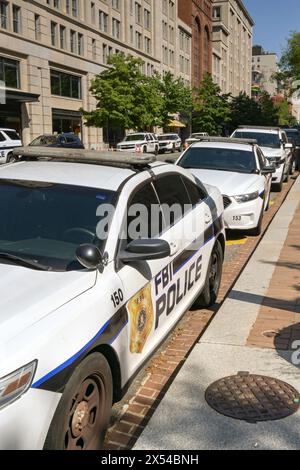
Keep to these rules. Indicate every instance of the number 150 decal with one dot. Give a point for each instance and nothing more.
(117, 297)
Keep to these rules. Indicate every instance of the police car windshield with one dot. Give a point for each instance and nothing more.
(133, 137)
(206, 158)
(46, 222)
(263, 139)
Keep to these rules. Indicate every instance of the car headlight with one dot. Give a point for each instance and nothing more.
(16, 384)
(246, 197)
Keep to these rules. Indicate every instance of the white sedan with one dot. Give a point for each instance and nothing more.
(242, 174)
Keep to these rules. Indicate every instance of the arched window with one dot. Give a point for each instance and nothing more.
(206, 47)
(197, 51)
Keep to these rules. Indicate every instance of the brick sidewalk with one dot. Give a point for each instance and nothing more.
(278, 322)
(139, 405)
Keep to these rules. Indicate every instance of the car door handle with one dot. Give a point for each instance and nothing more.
(173, 248)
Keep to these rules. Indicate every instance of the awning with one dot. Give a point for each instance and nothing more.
(66, 113)
(21, 96)
(176, 123)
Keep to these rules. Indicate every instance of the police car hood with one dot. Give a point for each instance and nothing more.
(229, 183)
(270, 152)
(133, 142)
(26, 295)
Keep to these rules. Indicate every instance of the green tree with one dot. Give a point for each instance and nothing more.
(175, 94)
(211, 108)
(245, 110)
(269, 116)
(125, 97)
(290, 61)
(285, 117)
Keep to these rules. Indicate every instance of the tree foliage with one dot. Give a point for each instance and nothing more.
(247, 111)
(290, 61)
(127, 98)
(211, 108)
(285, 117)
(176, 97)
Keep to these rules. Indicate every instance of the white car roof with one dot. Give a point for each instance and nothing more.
(258, 131)
(223, 145)
(77, 174)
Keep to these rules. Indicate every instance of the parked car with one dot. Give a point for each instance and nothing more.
(241, 172)
(9, 140)
(169, 143)
(293, 136)
(274, 143)
(65, 140)
(195, 138)
(84, 299)
(142, 142)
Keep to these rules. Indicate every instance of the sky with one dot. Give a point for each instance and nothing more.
(274, 20)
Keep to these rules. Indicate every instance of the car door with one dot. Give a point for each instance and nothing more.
(268, 178)
(287, 151)
(157, 292)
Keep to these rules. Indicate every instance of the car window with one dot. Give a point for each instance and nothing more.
(47, 221)
(13, 135)
(195, 193)
(221, 159)
(284, 138)
(261, 158)
(144, 218)
(134, 137)
(263, 139)
(44, 140)
(172, 194)
(70, 140)
(2, 138)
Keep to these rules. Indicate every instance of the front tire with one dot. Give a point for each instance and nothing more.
(11, 158)
(211, 289)
(82, 416)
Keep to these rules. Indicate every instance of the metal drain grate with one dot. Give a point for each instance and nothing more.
(253, 398)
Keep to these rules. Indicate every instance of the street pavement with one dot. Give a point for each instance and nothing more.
(264, 299)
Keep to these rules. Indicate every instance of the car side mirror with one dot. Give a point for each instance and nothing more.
(89, 256)
(270, 169)
(145, 250)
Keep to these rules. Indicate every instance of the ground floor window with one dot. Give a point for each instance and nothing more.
(10, 117)
(67, 121)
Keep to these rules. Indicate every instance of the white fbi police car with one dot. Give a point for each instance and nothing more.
(275, 146)
(9, 140)
(90, 286)
(241, 172)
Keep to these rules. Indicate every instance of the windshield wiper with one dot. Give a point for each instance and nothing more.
(28, 263)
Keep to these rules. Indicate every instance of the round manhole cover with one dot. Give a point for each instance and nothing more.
(253, 398)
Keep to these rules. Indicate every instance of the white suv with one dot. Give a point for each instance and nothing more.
(9, 140)
(274, 143)
(169, 143)
(143, 142)
(91, 285)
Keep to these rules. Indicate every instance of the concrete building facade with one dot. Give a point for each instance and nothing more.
(197, 14)
(232, 46)
(264, 66)
(51, 49)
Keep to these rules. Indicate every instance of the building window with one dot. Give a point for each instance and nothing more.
(80, 47)
(9, 72)
(116, 26)
(16, 19)
(3, 14)
(64, 84)
(73, 42)
(62, 33)
(37, 27)
(103, 21)
(53, 33)
(75, 8)
(217, 13)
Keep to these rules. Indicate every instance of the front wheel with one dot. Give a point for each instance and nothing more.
(211, 289)
(82, 416)
(11, 158)
(293, 167)
(255, 232)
